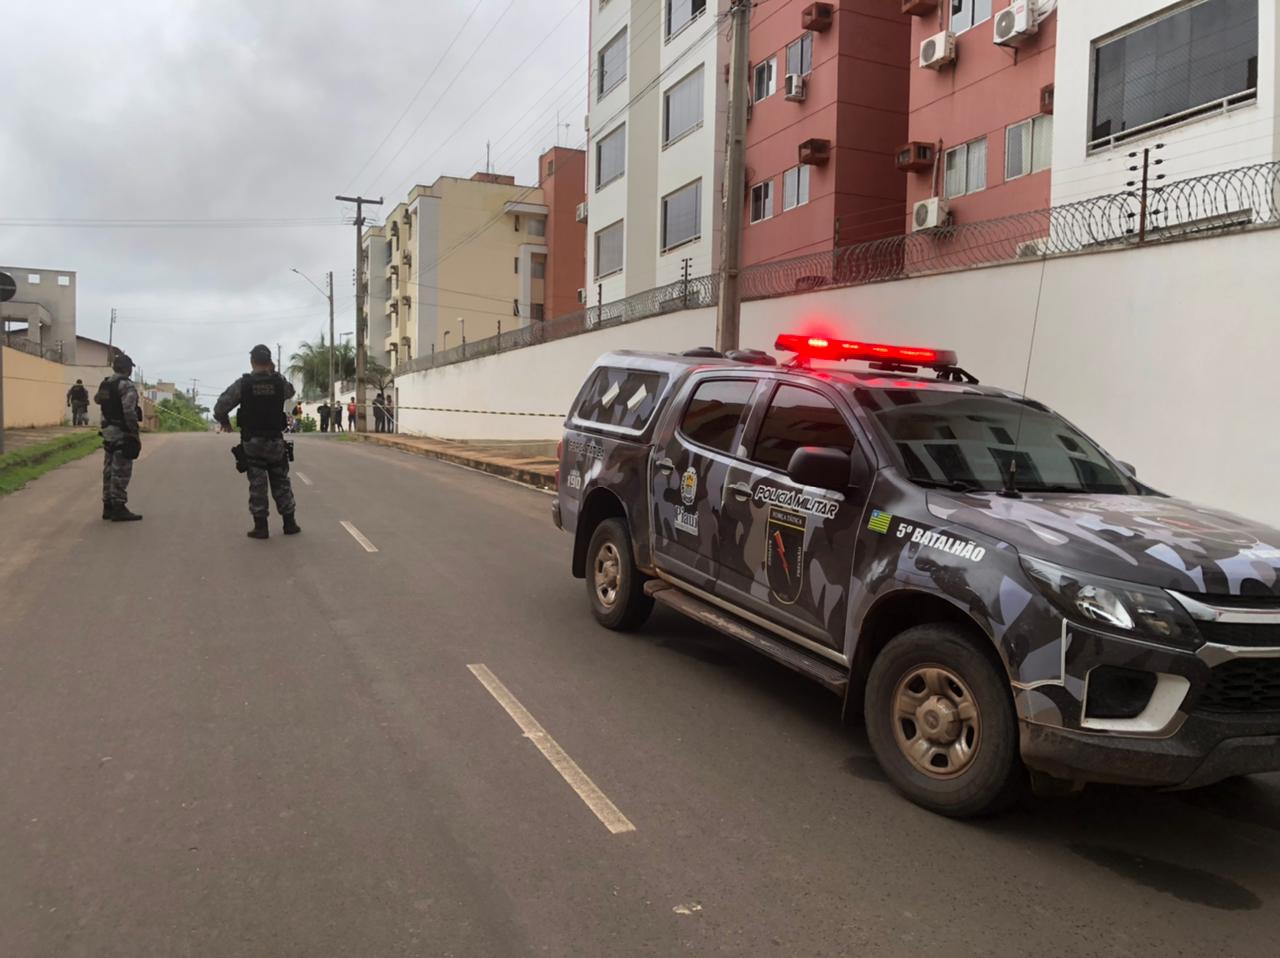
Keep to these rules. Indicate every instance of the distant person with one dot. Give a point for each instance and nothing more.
(261, 395)
(351, 414)
(337, 417)
(379, 414)
(78, 400)
(324, 416)
(388, 411)
(121, 445)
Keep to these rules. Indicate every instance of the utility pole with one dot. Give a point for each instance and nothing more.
(728, 309)
(278, 363)
(332, 345)
(361, 331)
(111, 335)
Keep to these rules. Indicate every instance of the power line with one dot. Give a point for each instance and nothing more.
(241, 223)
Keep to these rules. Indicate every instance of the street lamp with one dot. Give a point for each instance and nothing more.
(463, 323)
(329, 297)
(445, 341)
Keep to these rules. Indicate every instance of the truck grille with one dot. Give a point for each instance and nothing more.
(1243, 685)
(1241, 634)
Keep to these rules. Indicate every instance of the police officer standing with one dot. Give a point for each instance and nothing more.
(78, 400)
(261, 396)
(121, 445)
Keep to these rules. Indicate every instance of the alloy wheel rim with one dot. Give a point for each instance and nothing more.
(936, 721)
(608, 566)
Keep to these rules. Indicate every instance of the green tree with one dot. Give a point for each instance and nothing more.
(180, 414)
(311, 364)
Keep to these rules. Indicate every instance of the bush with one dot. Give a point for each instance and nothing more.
(307, 424)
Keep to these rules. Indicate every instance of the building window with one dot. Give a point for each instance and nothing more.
(537, 311)
(800, 55)
(1195, 60)
(537, 226)
(64, 280)
(682, 108)
(795, 187)
(969, 13)
(766, 82)
(1028, 147)
(516, 222)
(517, 262)
(613, 63)
(539, 266)
(761, 201)
(609, 250)
(966, 167)
(682, 216)
(33, 279)
(680, 13)
(611, 157)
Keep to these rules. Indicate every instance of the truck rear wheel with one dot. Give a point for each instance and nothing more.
(941, 722)
(615, 587)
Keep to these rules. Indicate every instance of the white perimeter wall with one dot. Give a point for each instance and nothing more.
(1165, 355)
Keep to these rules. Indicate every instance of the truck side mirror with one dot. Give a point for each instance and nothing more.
(1128, 467)
(820, 466)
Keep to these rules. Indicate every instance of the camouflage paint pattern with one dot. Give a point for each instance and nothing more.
(713, 520)
(117, 468)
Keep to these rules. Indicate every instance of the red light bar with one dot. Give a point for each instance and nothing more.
(822, 347)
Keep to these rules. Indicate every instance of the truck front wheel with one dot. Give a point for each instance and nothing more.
(614, 586)
(941, 722)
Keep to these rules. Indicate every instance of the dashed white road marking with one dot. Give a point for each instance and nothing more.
(359, 536)
(587, 790)
(304, 479)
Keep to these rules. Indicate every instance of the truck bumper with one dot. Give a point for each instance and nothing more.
(1206, 749)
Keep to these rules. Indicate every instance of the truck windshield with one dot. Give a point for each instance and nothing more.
(965, 440)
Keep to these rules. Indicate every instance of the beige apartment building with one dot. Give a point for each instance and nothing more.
(459, 258)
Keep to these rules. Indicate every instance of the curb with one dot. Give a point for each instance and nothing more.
(521, 474)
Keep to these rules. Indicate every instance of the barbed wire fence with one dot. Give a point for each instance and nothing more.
(1228, 201)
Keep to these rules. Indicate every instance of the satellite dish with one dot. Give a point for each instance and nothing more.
(8, 288)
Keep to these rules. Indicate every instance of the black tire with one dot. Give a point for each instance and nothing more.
(979, 771)
(623, 607)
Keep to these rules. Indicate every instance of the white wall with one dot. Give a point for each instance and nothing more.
(1165, 355)
(1247, 135)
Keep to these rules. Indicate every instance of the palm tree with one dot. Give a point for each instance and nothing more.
(311, 364)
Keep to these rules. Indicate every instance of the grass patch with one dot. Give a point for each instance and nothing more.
(21, 466)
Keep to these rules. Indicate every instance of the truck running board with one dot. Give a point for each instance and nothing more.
(830, 676)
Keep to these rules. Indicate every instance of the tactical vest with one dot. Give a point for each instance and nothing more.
(261, 413)
(109, 399)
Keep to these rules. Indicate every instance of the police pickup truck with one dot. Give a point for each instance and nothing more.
(971, 573)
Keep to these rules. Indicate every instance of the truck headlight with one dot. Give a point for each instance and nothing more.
(1122, 606)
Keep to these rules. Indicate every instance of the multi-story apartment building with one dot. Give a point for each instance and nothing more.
(656, 120)
(377, 319)
(1198, 78)
(562, 176)
(828, 87)
(982, 108)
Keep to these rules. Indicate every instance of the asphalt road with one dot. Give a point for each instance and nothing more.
(214, 746)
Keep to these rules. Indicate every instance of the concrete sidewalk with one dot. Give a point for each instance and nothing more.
(532, 464)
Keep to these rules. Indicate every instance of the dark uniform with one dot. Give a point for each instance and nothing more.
(118, 398)
(78, 400)
(261, 396)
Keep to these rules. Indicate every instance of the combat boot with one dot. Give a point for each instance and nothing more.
(259, 530)
(120, 513)
(291, 527)
(106, 508)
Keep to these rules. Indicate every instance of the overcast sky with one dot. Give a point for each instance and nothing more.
(255, 109)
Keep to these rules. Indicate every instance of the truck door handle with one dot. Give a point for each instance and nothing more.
(665, 466)
(741, 491)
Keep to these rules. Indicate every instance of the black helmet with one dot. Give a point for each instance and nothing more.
(260, 355)
(122, 364)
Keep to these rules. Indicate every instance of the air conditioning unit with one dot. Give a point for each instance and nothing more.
(580, 214)
(1046, 99)
(815, 151)
(1015, 24)
(929, 214)
(915, 157)
(939, 50)
(817, 17)
(582, 297)
(407, 258)
(795, 87)
(919, 8)
(407, 216)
